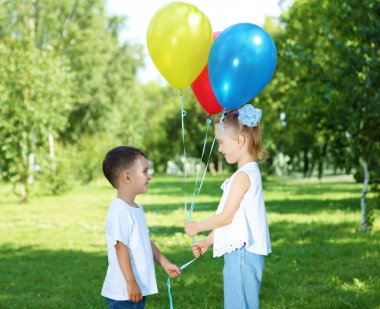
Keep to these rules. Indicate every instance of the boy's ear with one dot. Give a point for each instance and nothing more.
(125, 176)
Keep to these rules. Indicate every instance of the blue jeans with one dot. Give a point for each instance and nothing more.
(242, 276)
(125, 304)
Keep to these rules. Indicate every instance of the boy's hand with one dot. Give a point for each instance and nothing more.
(134, 292)
(199, 248)
(191, 228)
(172, 270)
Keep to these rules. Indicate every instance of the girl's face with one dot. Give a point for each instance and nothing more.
(228, 144)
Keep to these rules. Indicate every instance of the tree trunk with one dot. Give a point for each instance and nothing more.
(364, 164)
(220, 165)
(211, 167)
(321, 161)
(313, 160)
(305, 162)
(32, 161)
(23, 193)
(52, 153)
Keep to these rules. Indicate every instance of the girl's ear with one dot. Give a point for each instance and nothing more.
(241, 140)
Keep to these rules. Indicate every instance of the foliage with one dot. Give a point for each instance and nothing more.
(164, 136)
(64, 76)
(55, 255)
(326, 84)
(64, 73)
(87, 155)
(54, 175)
(35, 102)
(329, 52)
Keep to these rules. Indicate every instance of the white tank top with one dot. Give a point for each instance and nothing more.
(249, 226)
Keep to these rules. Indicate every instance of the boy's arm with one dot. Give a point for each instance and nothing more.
(171, 269)
(124, 260)
(239, 186)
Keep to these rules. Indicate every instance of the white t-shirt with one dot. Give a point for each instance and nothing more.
(127, 224)
(249, 226)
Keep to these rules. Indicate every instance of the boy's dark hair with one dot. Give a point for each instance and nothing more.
(119, 159)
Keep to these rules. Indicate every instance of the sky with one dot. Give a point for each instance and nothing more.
(221, 13)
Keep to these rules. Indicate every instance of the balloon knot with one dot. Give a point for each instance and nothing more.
(221, 122)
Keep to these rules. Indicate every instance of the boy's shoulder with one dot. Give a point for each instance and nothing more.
(116, 207)
(116, 203)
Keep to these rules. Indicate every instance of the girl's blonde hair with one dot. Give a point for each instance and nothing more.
(253, 135)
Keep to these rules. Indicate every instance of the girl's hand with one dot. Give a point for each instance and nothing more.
(191, 229)
(172, 270)
(199, 248)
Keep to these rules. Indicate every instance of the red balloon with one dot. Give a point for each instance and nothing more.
(203, 91)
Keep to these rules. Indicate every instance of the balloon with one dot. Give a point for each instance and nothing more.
(203, 91)
(241, 63)
(179, 39)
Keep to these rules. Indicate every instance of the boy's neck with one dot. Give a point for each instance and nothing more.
(127, 197)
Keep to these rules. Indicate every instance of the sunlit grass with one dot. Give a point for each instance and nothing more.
(53, 255)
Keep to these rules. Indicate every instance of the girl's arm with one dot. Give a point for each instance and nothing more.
(200, 247)
(171, 269)
(124, 260)
(239, 186)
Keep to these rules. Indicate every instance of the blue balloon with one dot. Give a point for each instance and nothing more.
(241, 63)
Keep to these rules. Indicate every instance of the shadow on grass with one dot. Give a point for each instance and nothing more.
(310, 206)
(313, 265)
(165, 230)
(311, 188)
(286, 206)
(211, 186)
(167, 208)
(162, 186)
(33, 278)
(321, 266)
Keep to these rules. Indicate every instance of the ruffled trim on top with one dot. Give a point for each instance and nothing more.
(229, 248)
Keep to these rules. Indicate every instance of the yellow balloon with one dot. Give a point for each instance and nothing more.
(179, 39)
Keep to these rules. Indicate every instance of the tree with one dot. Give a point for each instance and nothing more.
(35, 102)
(63, 74)
(164, 127)
(329, 52)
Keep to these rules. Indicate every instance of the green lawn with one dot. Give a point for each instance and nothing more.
(53, 254)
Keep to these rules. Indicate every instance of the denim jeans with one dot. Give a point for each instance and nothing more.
(242, 276)
(125, 304)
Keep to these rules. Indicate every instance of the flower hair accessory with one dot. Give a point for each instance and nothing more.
(249, 115)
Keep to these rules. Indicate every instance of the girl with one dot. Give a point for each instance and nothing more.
(239, 229)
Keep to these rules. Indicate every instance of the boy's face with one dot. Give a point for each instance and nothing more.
(139, 176)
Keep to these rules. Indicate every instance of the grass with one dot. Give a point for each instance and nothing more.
(53, 254)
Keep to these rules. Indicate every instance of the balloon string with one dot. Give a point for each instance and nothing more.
(203, 177)
(197, 176)
(183, 114)
(169, 283)
(192, 206)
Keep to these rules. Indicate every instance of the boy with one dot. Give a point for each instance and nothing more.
(130, 274)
